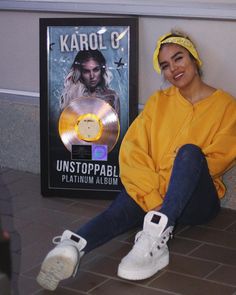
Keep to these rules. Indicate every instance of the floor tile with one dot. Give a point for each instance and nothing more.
(85, 210)
(217, 254)
(24, 183)
(190, 266)
(59, 291)
(224, 219)
(187, 285)
(27, 286)
(34, 254)
(34, 233)
(46, 216)
(182, 246)
(84, 282)
(102, 203)
(224, 274)
(116, 287)
(103, 265)
(115, 249)
(232, 228)
(212, 236)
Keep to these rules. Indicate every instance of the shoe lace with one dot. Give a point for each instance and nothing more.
(56, 240)
(144, 239)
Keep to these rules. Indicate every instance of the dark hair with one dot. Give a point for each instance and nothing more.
(175, 33)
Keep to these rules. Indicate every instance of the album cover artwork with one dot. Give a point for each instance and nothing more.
(88, 99)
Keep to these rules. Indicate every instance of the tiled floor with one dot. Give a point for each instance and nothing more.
(203, 258)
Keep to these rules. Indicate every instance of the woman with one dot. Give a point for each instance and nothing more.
(171, 162)
(89, 76)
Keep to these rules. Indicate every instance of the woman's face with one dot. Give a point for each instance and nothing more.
(177, 66)
(91, 73)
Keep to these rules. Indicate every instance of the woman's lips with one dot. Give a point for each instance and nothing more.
(178, 76)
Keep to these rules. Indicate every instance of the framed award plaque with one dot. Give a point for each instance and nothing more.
(88, 99)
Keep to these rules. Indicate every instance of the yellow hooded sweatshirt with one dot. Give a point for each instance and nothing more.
(167, 122)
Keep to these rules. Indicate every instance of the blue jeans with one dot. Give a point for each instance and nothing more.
(191, 199)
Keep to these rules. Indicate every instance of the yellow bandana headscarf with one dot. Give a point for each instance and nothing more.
(182, 41)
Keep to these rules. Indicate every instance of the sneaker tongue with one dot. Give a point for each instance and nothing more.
(155, 223)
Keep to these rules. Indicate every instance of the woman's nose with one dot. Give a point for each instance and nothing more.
(172, 67)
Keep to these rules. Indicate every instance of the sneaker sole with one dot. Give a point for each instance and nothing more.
(53, 270)
(142, 275)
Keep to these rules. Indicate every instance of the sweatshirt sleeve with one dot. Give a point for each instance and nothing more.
(137, 169)
(221, 152)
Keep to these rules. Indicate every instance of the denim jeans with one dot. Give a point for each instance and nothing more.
(191, 199)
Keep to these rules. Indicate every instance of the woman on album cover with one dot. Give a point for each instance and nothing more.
(172, 159)
(89, 76)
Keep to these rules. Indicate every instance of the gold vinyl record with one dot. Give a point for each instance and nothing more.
(89, 120)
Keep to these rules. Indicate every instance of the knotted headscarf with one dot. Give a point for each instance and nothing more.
(179, 40)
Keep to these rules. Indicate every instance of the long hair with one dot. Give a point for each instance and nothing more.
(74, 86)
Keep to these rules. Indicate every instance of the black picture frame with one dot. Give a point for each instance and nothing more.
(63, 172)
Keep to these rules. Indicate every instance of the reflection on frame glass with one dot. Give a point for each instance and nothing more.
(88, 98)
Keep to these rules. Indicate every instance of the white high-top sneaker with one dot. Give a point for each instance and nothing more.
(62, 262)
(150, 252)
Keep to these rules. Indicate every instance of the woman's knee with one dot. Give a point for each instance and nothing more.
(190, 151)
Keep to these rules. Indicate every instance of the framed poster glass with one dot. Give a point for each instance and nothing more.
(88, 98)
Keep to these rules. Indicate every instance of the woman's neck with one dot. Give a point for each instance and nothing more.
(197, 91)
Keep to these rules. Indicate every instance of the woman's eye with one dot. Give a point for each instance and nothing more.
(178, 58)
(164, 67)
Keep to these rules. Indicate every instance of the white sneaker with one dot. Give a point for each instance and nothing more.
(150, 252)
(62, 262)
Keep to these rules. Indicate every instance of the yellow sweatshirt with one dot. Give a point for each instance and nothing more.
(167, 122)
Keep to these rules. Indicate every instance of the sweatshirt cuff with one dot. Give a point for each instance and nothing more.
(151, 200)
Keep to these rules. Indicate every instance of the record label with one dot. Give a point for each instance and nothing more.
(89, 127)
